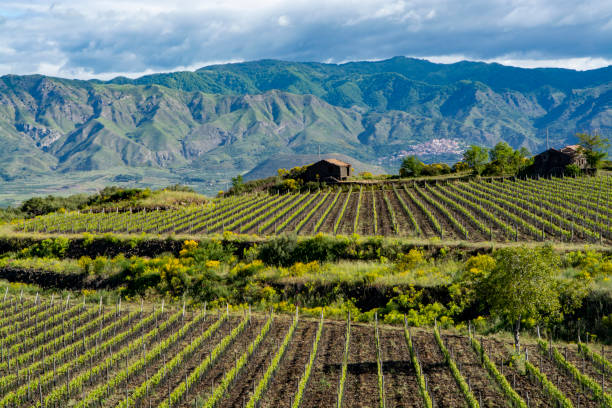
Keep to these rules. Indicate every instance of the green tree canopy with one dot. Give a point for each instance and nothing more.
(476, 158)
(411, 167)
(237, 184)
(595, 148)
(506, 160)
(521, 285)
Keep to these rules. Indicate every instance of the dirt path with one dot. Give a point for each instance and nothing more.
(328, 225)
(401, 388)
(441, 384)
(366, 214)
(361, 388)
(242, 390)
(483, 386)
(322, 389)
(281, 391)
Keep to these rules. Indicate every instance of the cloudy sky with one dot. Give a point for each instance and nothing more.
(106, 38)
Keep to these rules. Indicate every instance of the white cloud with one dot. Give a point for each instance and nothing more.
(100, 38)
(284, 21)
(579, 64)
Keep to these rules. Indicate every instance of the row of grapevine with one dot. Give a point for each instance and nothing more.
(356, 220)
(297, 400)
(463, 385)
(499, 378)
(567, 210)
(326, 212)
(415, 224)
(265, 381)
(584, 380)
(220, 390)
(382, 401)
(345, 358)
(341, 215)
(417, 368)
(168, 367)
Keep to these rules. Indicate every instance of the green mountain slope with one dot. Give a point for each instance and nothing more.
(203, 127)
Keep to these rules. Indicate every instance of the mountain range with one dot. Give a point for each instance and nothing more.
(201, 128)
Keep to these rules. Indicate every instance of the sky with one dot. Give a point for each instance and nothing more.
(106, 38)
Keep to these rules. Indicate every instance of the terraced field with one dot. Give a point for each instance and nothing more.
(62, 352)
(563, 210)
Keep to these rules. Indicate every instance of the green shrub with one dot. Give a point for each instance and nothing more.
(278, 251)
(572, 170)
(48, 248)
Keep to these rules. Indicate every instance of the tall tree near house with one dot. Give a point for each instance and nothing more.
(522, 286)
(594, 147)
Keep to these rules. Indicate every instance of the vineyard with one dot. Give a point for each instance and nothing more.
(562, 210)
(63, 352)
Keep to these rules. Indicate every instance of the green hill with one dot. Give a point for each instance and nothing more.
(200, 128)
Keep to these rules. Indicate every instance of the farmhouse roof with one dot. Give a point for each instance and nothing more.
(573, 149)
(337, 162)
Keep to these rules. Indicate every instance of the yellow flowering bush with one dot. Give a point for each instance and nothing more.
(212, 264)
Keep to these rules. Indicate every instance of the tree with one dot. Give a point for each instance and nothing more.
(411, 167)
(476, 158)
(594, 148)
(507, 159)
(237, 184)
(521, 285)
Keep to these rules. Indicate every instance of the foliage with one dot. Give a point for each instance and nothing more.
(435, 169)
(475, 158)
(460, 166)
(51, 248)
(408, 305)
(180, 188)
(572, 170)
(114, 194)
(411, 167)
(506, 160)
(238, 184)
(45, 205)
(594, 147)
(521, 285)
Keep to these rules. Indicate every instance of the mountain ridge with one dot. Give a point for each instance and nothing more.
(204, 126)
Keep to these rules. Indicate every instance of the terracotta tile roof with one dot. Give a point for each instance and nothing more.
(337, 162)
(571, 149)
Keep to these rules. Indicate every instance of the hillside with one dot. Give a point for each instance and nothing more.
(201, 128)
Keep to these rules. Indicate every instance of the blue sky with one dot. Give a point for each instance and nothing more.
(106, 38)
